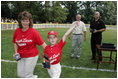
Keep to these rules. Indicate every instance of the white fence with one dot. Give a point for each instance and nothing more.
(12, 26)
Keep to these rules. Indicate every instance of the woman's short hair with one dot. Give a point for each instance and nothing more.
(25, 15)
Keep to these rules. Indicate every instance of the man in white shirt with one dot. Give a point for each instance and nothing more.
(79, 33)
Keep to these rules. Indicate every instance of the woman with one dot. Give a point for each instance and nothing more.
(25, 40)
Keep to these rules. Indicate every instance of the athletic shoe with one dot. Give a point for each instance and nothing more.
(35, 76)
(72, 56)
(77, 57)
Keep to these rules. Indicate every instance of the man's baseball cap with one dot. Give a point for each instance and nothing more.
(52, 33)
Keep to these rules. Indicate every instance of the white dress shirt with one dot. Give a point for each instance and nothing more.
(80, 27)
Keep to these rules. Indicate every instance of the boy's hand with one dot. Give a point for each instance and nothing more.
(69, 31)
(46, 64)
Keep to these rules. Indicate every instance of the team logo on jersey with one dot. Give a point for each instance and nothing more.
(22, 42)
(53, 58)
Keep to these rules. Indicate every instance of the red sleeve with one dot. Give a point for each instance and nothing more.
(37, 38)
(61, 43)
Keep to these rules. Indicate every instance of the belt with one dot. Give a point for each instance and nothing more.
(78, 34)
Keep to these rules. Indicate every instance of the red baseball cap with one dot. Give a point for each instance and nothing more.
(52, 33)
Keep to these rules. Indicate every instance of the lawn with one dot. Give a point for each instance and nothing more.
(8, 70)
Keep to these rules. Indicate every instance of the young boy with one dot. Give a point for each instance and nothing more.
(54, 52)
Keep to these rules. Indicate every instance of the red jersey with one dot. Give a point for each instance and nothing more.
(27, 41)
(54, 53)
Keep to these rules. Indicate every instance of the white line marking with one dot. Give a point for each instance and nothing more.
(85, 68)
(72, 67)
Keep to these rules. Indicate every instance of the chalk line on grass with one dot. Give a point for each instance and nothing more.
(72, 67)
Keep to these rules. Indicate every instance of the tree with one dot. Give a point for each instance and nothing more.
(47, 9)
(87, 11)
(71, 10)
(5, 10)
(61, 11)
(107, 10)
(58, 13)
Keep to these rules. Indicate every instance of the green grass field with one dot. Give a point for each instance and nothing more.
(8, 69)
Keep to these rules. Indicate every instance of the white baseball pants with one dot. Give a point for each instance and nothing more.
(55, 71)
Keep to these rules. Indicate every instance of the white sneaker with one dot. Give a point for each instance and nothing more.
(34, 76)
(77, 57)
(72, 56)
